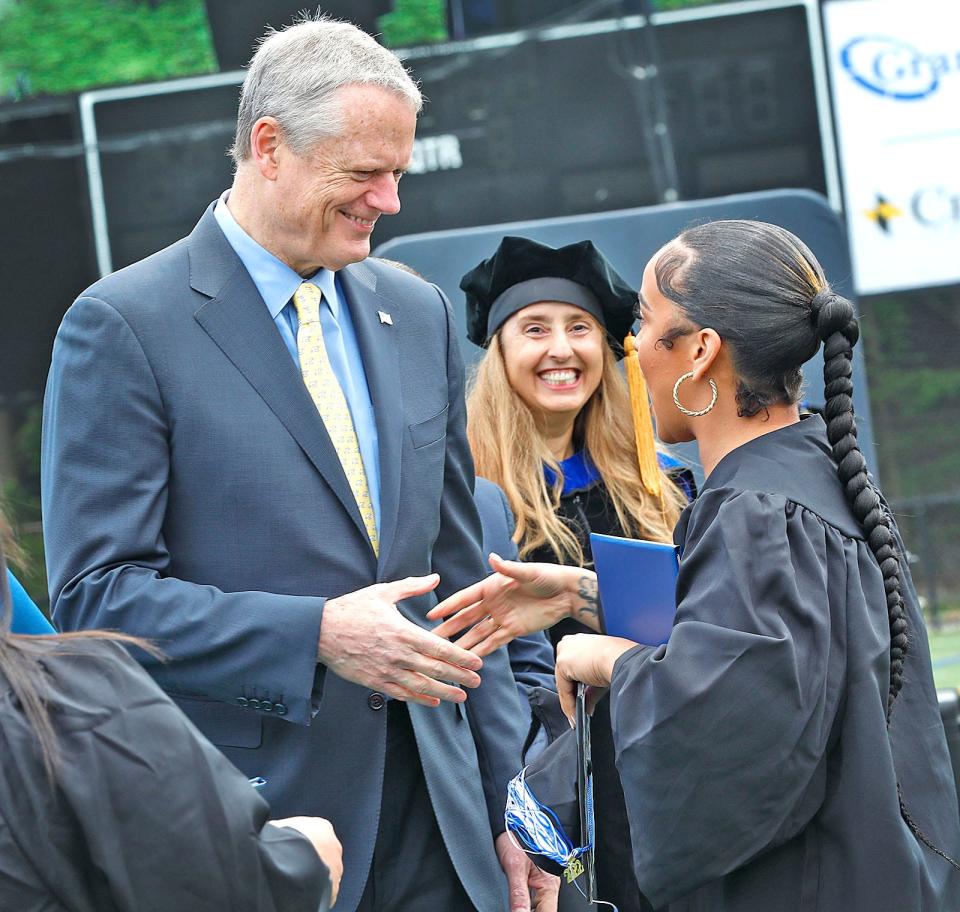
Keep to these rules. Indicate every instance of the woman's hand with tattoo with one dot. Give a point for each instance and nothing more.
(586, 606)
(516, 600)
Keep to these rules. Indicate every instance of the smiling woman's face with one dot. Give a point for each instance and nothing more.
(553, 354)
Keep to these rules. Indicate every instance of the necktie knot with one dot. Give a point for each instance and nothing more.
(306, 301)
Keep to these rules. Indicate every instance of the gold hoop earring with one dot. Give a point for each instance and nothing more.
(690, 412)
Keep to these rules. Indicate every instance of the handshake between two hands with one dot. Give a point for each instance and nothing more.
(364, 638)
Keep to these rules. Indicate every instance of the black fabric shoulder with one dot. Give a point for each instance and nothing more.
(90, 679)
(794, 462)
(718, 505)
(147, 814)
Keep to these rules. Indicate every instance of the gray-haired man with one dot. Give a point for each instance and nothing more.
(254, 453)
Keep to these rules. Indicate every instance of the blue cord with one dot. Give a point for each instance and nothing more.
(536, 826)
(538, 830)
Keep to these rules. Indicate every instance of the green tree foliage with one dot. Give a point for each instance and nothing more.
(53, 46)
(910, 346)
(414, 22)
(20, 501)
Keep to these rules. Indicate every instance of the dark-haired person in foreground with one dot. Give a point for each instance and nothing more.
(111, 800)
(784, 750)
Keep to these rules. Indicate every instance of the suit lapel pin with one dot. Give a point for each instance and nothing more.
(385, 318)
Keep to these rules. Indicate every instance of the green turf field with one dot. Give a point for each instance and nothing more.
(945, 651)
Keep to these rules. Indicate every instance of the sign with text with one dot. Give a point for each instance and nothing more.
(895, 74)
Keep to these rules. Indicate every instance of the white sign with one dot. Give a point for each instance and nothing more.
(895, 70)
(435, 153)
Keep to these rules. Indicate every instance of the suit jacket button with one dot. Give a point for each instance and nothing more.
(242, 701)
(376, 700)
(266, 706)
(253, 704)
(279, 709)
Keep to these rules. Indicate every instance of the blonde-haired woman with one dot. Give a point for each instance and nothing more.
(548, 421)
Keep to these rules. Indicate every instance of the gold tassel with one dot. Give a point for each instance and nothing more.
(642, 421)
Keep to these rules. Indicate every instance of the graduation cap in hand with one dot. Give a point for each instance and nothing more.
(550, 806)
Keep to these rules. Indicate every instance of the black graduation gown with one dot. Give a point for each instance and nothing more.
(757, 768)
(145, 815)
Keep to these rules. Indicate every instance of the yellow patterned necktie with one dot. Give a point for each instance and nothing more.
(324, 389)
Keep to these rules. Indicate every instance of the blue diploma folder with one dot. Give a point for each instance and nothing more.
(638, 587)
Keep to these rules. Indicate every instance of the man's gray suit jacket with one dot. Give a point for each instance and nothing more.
(191, 495)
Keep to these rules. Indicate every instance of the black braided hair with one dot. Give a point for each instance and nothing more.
(837, 328)
(765, 294)
(762, 289)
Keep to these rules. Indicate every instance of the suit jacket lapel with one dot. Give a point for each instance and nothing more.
(237, 320)
(380, 352)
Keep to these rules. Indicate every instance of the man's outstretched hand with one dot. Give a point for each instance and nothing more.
(365, 639)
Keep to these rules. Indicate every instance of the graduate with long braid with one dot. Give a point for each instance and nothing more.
(784, 750)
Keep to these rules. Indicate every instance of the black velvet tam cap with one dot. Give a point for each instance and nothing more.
(522, 272)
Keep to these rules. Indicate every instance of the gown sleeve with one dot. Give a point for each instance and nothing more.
(721, 733)
(168, 822)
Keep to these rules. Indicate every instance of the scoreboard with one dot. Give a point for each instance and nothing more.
(536, 123)
(558, 120)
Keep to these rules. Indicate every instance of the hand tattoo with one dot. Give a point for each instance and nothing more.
(587, 590)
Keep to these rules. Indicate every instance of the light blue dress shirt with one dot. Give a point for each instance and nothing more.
(277, 282)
